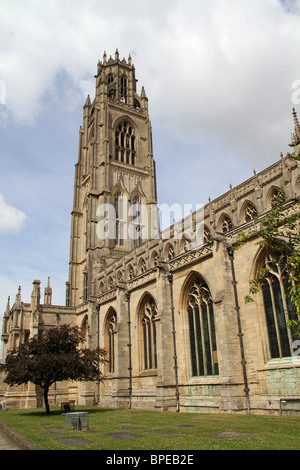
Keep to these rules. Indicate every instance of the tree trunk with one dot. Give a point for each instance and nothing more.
(46, 390)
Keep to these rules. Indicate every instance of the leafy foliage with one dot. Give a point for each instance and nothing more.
(279, 233)
(53, 356)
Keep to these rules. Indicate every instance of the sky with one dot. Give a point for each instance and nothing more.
(221, 76)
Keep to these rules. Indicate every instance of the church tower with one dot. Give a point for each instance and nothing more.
(114, 177)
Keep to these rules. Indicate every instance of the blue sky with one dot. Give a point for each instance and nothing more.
(218, 75)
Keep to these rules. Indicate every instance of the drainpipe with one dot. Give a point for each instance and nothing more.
(98, 345)
(54, 385)
(240, 334)
(170, 278)
(129, 350)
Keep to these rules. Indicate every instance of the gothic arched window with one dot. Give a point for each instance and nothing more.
(148, 318)
(125, 143)
(84, 332)
(137, 221)
(206, 235)
(111, 87)
(226, 224)
(170, 252)
(119, 216)
(278, 309)
(250, 212)
(111, 346)
(123, 89)
(202, 335)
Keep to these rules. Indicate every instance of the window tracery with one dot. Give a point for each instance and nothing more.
(111, 87)
(202, 335)
(278, 309)
(137, 221)
(130, 272)
(123, 89)
(148, 318)
(142, 266)
(119, 223)
(125, 144)
(226, 224)
(170, 252)
(250, 212)
(206, 235)
(112, 329)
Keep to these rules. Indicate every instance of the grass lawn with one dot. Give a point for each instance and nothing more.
(150, 430)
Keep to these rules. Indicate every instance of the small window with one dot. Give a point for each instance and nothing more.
(170, 253)
(250, 212)
(111, 340)
(123, 90)
(206, 235)
(226, 224)
(137, 222)
(119, 223)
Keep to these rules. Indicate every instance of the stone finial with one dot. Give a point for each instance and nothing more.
(18, 296)
(88, 101)
(117, 55)
(48, 294)
(297, 125)
(296, 135)
(7, 310)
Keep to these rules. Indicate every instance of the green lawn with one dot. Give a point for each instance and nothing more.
(188, 431)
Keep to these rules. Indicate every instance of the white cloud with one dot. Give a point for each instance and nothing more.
(11, 219)
(217, 70)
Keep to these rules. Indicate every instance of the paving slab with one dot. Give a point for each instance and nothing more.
(166, 433)
(122, 435)
(231, 435)
(73, 441)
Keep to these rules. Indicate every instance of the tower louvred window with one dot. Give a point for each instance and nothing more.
(125, 144)
(123, 90)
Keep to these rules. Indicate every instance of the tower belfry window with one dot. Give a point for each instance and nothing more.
(119, 223)
(123, 90)
(111, 87)
(125, 144)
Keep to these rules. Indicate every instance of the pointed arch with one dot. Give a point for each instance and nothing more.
(84, 331)
(248, 212)
(125, 141)
(154, 259)
(273, 191)
(169, 252)
(198, 307)
(130, 272)
(137, 221)
(225, 223)
(142, 266)
(147, 312)
(120, 210)
(110, 330)
(278, 310)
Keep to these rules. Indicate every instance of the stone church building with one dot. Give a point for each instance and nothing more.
(167, 306)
